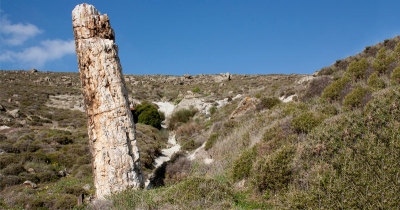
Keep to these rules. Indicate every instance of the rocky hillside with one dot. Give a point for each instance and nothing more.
(328, 140)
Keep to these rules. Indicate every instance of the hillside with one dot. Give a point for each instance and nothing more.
(328, 140)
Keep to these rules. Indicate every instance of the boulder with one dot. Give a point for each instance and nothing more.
(33, 70)
(30, 184)
(14, 113)
(222, 77)
(246, 105)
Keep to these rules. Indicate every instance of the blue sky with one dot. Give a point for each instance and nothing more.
(201, 36)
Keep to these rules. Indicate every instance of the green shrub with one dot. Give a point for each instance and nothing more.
(274, 172)
(148, 114)
(47, 176)
(242, 166)
(315, 87)
(13, 169)
(65, 201)
(8, 159)
(196, 90)
(181, 116)
(74, 190)
(334, 91)
(375, 82)
(267, 103)
(395, 77)
(191, 193)
(382, 61)
(305, 122)
(212, 110)
(356, 98)
(357, 68)
(6, 181)
(211, 141)
(189, 145)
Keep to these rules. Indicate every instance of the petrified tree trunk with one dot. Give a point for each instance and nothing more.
(115, 155)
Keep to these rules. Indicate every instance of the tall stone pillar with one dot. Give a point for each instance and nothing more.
(115, 155)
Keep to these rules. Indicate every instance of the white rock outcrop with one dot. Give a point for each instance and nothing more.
(115, 155)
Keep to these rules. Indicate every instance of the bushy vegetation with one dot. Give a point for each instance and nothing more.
(180, 117)
(334, 91)
(267, 103)
(305, 122)
(211, 141)
(357, 69)
(395, 77)
(382, 61)
(336, 148)
(148, 114)
(356, 98)
(375, 82)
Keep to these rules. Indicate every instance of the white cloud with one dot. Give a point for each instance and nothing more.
(37, 56)
(16, 34)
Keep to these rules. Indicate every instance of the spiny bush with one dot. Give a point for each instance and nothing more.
(211, 141)
(382, 61)
(274, 172)
(357, 148)
(267, 103)
(189, 145)
(180, 117)
(315, 87)
(357, 69)
(305, 122)
(243, 164)
(148, 114)
(356, 98)
(395, 77)
(177, 169)
(192, 193)
(13, 169)
(65, 202)
(334, 90)
(375, 82)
